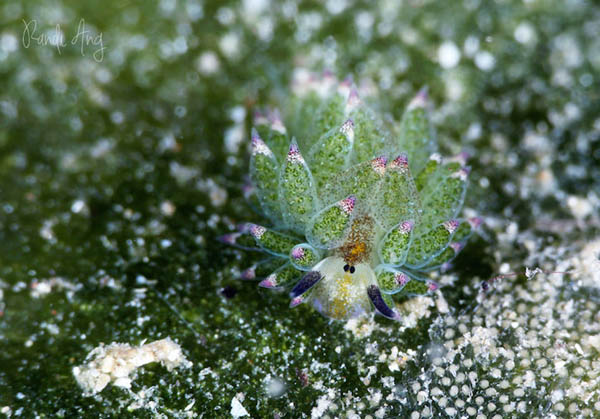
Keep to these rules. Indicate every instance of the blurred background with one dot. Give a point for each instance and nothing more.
(123, 148)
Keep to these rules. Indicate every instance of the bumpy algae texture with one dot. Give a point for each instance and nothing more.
(119, 167)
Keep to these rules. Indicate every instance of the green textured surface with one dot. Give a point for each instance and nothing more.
(414, 134)
(286, 276)
(117, 176)
(394, 246)
(426, 246)
(297, 192)
(329, 226)
(391, 281)
(415, 287)
(370, 138)
(275, 242)
(398, 196)
(264, 173)
(309, 256)
(329, 155)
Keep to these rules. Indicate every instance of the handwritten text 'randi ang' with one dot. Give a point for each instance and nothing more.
(84, 38)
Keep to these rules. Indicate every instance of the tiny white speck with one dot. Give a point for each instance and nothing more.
(485, 61)
(448, 54)
(78, 206)
(208, 63)
(524, 33)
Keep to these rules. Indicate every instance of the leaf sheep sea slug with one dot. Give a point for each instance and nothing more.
(359, 208)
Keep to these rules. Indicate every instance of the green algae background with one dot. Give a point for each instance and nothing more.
(123, 151)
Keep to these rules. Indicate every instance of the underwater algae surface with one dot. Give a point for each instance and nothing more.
(119, 168)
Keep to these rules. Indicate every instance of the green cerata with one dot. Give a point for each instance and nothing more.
(360, 209)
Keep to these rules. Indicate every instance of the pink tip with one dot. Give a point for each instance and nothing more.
(347, 128)
(244, 227)
(462, 173)
(420, 99)
(258, 145)
(347, 205)
(257, 231)
(406, 227)
(401, 161)
(276, 122)
(475, 222)
(248, 274)
(254, 135)
(451, 226)
(247, 190)
(268, 282)
(296, 301)
(401, 279)
(260, 118)
(463, 157)
(347, 82)
(297, 253)
(446, 266)
(378, 164)
(353, 100)
(294, 154)
(433, 286)
(457, 247)
(228, 238)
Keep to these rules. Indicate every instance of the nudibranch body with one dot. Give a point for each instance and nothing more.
(360, 210)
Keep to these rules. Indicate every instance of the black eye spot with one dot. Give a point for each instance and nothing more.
(352, 269)
(346, 267)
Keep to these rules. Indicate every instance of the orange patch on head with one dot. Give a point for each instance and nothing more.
(354, 252)
(358, 249)
(359, 243)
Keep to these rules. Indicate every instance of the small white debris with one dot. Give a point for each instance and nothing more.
(586, 264)
(593, 342)
(237, 410)
(216, 194)
(530, 274)
(323, 404)
(117, 361)
(415, 309)
(234, 136)
(230, 45)
(361, 326)
(485, 61)
(167, 208)
(441, 303)
(448, 54)
(208, 63)
(525, 33)
(182, 174)
(47, 232)
(43, 287)
(580, 207)
(275, 387)
(79, 207)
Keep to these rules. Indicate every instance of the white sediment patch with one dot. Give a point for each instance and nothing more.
(237, 409)
(43, 287)
(586, 264)
(415, 309)
(118, 361)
